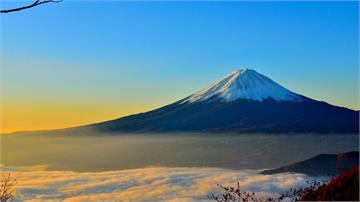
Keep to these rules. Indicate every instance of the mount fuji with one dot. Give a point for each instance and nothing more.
(244, 84)
(243, 102)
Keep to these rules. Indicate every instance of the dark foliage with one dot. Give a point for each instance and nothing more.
(344, 187)
(296, 194)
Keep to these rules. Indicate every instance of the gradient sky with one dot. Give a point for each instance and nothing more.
(74, 63)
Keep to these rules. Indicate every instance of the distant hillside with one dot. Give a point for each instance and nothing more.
(323, 164)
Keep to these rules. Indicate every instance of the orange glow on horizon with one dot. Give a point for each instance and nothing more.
(16, 117)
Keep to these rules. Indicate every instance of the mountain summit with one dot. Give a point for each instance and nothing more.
(243, 102)
(245, 84)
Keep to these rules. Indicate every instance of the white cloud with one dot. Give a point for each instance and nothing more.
(147, 184)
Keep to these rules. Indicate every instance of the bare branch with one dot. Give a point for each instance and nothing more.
(7, 187)
(36, 3)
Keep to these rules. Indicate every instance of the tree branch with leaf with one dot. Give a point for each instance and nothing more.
(36, 3)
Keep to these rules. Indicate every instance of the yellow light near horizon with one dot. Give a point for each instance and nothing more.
(21, 116)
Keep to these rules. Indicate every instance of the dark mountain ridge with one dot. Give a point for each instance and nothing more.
(240, 116)
(323, 164)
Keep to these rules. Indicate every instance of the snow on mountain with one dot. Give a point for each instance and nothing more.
(245, 84)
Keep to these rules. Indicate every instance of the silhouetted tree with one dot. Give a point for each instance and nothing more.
(7, 189)
(234, 194)
(36, 3)
(344, 187)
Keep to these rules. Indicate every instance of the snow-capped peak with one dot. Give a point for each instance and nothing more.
(245, 84)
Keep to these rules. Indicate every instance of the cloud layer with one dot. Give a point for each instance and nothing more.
(146, 184)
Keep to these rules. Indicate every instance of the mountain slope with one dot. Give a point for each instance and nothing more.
(245, 84)
(323, 164)
(243, 102)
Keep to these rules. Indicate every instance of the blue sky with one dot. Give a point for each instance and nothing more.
(129, 57)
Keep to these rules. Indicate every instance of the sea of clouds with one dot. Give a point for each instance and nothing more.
(146, 184)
